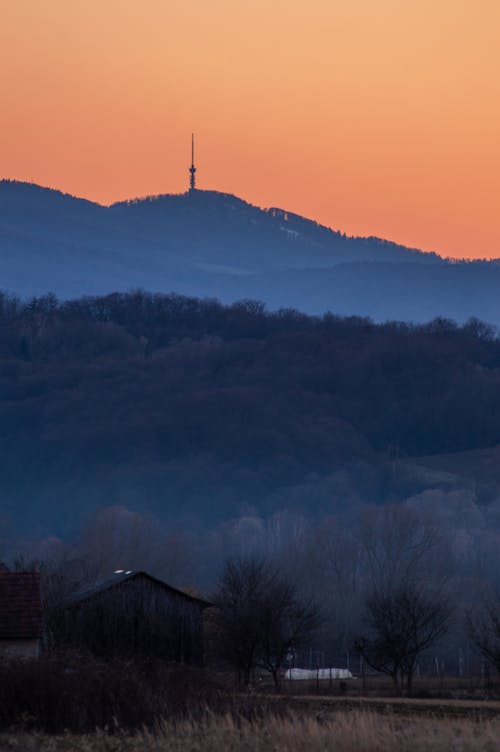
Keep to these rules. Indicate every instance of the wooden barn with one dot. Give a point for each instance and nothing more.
(134, 614)
(20, 614)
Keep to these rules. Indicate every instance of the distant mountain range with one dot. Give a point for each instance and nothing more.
(211, 244)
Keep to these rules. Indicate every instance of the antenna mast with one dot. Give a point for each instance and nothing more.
(192, 169)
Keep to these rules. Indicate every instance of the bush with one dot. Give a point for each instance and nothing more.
(80, 694)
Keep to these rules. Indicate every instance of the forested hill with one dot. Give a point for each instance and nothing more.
(201, 230)
(187, 408)
(206, 243)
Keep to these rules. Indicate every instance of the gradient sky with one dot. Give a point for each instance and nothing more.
(372, 117)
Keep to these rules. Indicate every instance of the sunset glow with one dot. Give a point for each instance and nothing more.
(376, 118)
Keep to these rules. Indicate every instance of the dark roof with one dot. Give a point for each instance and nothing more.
(20, 606)
(124, 576)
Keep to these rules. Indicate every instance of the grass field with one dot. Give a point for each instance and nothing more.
(339, 731)
(203, 712)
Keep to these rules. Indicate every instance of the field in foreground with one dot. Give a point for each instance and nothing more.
(339, 731)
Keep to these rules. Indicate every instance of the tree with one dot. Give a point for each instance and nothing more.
(261, 617)
(285, 621)
(241, 590)
(400, 546)
(402, 623)
(484, 630)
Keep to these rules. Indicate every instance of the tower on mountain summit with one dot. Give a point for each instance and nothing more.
(192, 169)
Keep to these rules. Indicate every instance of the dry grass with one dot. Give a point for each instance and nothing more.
(339, 732)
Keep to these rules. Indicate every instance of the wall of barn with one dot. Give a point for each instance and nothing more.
(19, 649)
(137, 617)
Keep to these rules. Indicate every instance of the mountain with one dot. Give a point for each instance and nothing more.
(206, 243)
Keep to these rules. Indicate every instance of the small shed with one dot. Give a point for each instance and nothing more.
(134, 614)
(20, 614)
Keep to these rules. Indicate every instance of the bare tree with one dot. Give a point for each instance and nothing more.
(286, 621)
(399, 545)
(337, 573)
(238, 597)
(261, 617)
(484, 630)
(402, 624)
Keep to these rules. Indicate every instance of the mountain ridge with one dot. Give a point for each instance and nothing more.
(209, 199)
(215, 244)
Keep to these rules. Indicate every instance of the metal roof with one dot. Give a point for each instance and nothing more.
(121, 576)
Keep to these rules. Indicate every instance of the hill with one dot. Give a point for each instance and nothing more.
(194, 411)
(205, 243)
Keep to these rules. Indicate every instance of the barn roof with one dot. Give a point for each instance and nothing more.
(20, 605)
(120, 577)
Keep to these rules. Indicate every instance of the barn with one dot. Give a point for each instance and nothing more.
(134, 614)
(20, 614)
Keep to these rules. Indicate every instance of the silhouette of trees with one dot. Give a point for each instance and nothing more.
(261, 617)
(407, 609)
(484, 629)
(238, 597)
(402, 623)
(400, 546)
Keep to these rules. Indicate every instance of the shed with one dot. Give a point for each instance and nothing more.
(134, 613)
(20, 614)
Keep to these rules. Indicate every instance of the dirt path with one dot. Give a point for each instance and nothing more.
(474, 709)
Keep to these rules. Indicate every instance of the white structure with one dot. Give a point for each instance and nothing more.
(318, 673)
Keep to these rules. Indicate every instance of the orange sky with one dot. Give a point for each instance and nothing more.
(375, 118)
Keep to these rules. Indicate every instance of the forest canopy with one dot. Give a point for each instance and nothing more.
(184, 407)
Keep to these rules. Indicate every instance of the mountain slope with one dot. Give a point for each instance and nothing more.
(205, 243)
(219, 229)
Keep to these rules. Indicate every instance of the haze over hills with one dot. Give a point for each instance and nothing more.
(198, 413)
(206, 243)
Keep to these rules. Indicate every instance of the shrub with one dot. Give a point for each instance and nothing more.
(79, 694)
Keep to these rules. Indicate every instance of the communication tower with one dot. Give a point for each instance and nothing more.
(192, 169)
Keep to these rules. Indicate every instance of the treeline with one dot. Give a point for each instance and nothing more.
(398, 591)
(175, 403)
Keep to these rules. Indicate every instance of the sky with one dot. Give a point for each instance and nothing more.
(375, 118)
